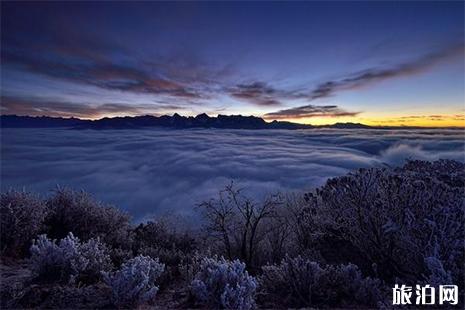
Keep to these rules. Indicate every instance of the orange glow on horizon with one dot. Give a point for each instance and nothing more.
(440, 121)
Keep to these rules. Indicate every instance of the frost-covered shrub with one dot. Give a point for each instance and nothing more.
(191, 265)
(298, 282)
(158, 239)
(77, 212)
(402, 221)
(136, 282)
(69, 260)
(96, 258)
(224, 284)
(22, 216)
(120, 255)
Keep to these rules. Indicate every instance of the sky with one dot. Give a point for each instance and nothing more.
(377, 63)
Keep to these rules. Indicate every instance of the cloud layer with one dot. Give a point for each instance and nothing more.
(309, 111)
(169, 171)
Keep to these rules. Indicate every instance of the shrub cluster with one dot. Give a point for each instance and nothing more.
(69, 260)
(224, 284)
(85, 217)
(135, 282)
(160, 240)
(21, 219)
(398, 220)
(24, 216)
(299, 282)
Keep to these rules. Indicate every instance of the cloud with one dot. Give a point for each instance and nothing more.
(51, 107)
(433, 117)
(98, 72)
(308, 111)
(399, 152)
(158, 171)
(375, 75)
(95, 59)
(262, 94)
(258, 93)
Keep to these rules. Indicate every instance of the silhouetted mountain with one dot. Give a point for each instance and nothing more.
(175, 121)
(347, 126)
(14, 121)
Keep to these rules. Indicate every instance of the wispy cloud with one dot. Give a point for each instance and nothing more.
(263, 94)
(51, 107)
(258, 93)
(102, 73)
(375, 75)
(309, 111)
(97, 60)
(432, 117)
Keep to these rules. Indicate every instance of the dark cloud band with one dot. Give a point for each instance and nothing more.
(374, 75)
(309, 111)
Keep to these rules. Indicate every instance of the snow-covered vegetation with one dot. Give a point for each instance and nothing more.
(68, 260)
(135, 282)
(22, 216)
(299, 282)
(341, 245)
(224, 284)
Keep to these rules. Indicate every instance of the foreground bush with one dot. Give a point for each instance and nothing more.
(78, 212)
(68, 261)
(408, 223)
(158, 239)
(136, 282)
(224, 284)
(22, 216)
(298, 282)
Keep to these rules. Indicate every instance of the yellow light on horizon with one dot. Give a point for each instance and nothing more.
(454, 120)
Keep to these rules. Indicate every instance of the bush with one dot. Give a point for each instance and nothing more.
(158, 240)
(224, 284)
(68, 261)
(135, 282)
(77, 212)
(22, 215)
(406, 222)
(163, 241)
(298, 282)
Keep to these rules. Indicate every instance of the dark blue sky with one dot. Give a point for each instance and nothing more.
(373, 62)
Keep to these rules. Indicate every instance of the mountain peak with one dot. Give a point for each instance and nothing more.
(147, 121)
(202, 116)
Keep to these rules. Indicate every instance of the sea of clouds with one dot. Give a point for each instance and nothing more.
(166, 171)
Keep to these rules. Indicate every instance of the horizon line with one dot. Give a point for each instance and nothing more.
(264, 119)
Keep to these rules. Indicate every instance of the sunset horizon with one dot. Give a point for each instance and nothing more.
(426, 121)
(394, 71)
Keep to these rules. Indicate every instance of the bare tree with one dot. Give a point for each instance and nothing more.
(238, 223)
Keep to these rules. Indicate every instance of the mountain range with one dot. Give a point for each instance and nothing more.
(175, 121)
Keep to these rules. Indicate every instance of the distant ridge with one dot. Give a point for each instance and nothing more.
(175, 121)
